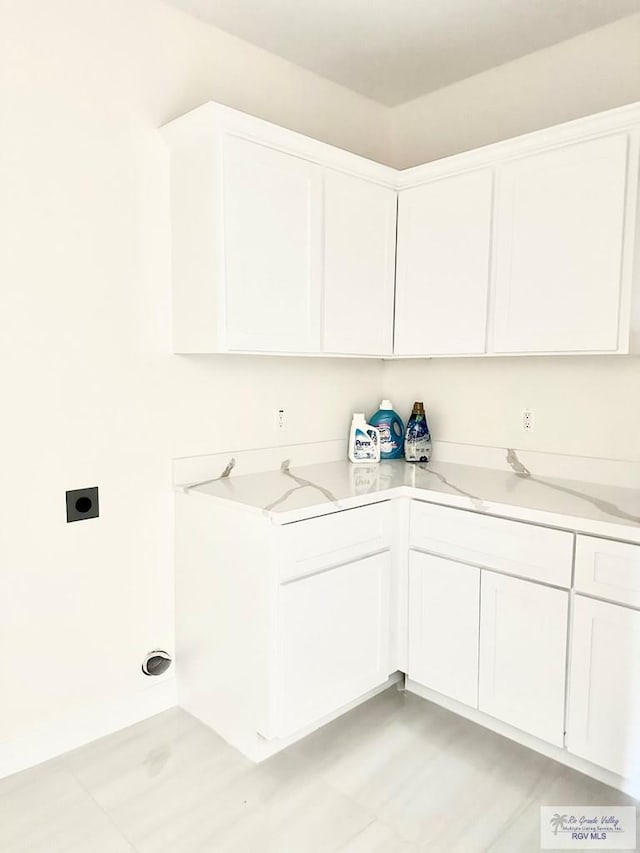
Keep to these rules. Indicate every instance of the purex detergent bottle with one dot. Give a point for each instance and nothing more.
(364, 440)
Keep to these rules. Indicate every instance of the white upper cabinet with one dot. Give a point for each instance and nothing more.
(560, 275)
(284, 244)
(444, 241)
(280, 243)
(359, 265)
(272, 266)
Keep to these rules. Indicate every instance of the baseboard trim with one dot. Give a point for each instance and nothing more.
(607, 777)
(84, 726)
(258, 749)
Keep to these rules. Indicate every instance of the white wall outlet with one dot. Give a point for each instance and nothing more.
(281, 420)
(528, 420)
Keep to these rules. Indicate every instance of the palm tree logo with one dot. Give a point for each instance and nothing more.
(557, 822)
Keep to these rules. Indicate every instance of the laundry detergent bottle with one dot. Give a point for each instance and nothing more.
(417, 441)
(364, 440)
(391, 429)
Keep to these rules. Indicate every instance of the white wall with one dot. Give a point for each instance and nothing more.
(584, 405)
(587, 405)
(583, 75)
(91, 394)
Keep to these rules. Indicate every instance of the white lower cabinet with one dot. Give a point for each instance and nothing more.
(604, 688)
(332, 641)
(281, 627)
(523, 642)
(608, 569)
(444, 612)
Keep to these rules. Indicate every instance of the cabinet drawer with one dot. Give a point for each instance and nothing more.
(331, 540)
(537, 553)
(608, 569)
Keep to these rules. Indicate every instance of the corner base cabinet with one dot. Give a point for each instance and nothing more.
(279, 627)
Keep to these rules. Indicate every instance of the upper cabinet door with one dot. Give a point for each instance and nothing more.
(272, 225)
(444, 237)
(559, 249)
(359, 266)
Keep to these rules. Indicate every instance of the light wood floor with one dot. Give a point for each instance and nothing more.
(396, 775)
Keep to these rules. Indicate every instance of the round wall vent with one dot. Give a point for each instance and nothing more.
(156, 662)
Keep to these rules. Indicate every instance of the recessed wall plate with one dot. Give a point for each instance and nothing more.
(156, 663)
(82, 503)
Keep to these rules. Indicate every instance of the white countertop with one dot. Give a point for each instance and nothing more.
(295, 493)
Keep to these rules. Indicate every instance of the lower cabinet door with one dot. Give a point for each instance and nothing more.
(444, 612)
(332, 641)
(604, 686)
(523, 653)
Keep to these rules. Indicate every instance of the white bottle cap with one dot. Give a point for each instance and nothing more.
(386, 404)
(358, 416)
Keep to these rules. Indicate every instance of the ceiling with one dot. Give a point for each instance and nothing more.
(395, 50)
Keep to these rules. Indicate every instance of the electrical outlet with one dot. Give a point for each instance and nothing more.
(528, 420)
(281, 420)
(82, 504)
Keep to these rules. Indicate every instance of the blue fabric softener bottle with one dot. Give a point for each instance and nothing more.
(417, 442)
(391, 429)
